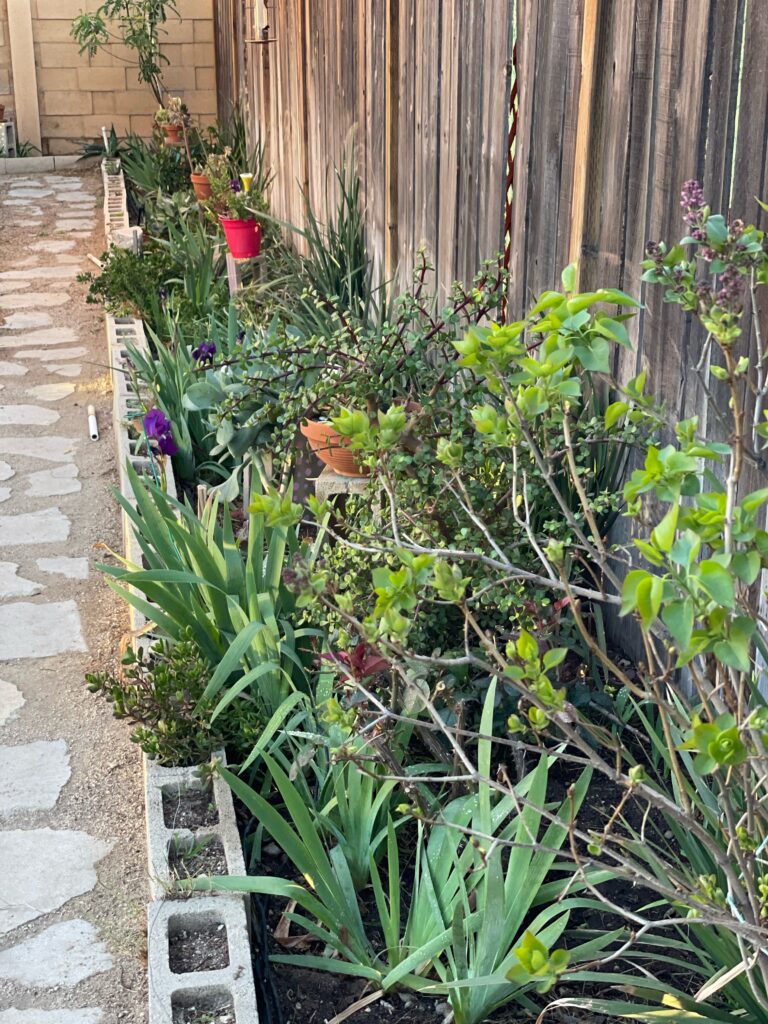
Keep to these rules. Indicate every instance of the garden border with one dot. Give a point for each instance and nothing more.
(166, 987)
(36, 164)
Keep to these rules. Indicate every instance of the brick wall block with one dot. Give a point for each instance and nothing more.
(52, 31)
(51, 79)
(135, 101)
(54, 102)
(101, 79)
(196, 9)
(204, 31)
(205, 78)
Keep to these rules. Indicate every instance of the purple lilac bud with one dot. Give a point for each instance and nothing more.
(731, 290)
(692, 195)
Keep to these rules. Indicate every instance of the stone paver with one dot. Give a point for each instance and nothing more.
(50, 449)
(71, 952)
(50, 392)
(39, 630)
(50, 483)
(33, 300)
(92, 1015)
(27, 416)
(31, 777)
(46, 526)
(72, 568)
(11, 701)
(13, 585)
(42, 869)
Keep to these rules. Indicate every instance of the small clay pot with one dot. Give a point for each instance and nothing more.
(332, 448)
(172, 135)
(202, 186)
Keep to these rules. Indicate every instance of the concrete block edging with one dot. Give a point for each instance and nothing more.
(166, 916)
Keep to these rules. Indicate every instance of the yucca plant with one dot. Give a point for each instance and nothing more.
(196, 576)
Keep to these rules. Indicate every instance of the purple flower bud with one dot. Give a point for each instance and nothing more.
(167, 445)
(205, 352)
(235, 185)
(692, 195)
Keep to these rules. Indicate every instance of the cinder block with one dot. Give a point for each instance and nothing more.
(198, 55)
(59, 9)
(28, 164)
(54, 102)
(159, 837)
(168, 990)
(135, 101)
(62, 147)
(178, 79)
(60, 127)
(60, 162)
(52, 30)
(204, 31)
(103, 103)
(205, 79)
(101, 79)
(196, 9)
(58, 55)
(93, 124)
(56, 79)
(142, 124)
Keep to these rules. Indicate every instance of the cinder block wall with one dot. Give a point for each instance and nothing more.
(77, 95)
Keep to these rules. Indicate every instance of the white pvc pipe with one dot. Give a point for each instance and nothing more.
(93, 427)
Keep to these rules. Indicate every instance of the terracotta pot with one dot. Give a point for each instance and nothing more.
(243, 237)
(173, 135)
(201, 185)
(332, 448)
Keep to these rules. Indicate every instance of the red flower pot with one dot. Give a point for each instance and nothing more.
(332, 448)
(172, 135)
(201, 185)
(243, 237)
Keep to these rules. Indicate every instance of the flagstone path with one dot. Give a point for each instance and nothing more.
(72, 861)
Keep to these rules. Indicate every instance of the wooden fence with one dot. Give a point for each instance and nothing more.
(418, 91)
(620, 101)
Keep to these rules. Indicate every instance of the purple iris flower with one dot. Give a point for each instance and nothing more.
(159, 428)
(235, 185)
(205, 352)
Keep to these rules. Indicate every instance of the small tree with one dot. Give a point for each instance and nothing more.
(134, 23)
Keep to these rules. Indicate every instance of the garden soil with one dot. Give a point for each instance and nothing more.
(73, 887)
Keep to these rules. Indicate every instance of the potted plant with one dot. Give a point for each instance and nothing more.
(173, 119)
(201, 183)
(332, 448)
(235, 205)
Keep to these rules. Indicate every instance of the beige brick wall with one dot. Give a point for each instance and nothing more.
(77, 95)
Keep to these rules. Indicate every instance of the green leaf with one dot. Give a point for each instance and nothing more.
(717, 229)
(649, 594)
(614, 413)
(746, 565)
(664, 534)
(678, 617)
(568, 277)
(717, 582)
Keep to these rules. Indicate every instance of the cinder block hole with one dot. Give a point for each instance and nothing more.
(197, 942)
(189, 806)
(204, 1006)
(200, 855)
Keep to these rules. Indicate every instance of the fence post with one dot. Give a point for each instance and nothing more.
(583, 131)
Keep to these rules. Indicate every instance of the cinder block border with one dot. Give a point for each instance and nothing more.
(163, 914)
(36, 164)
(234, 980)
